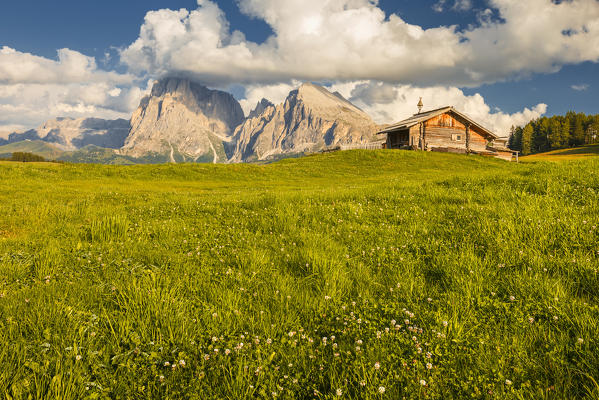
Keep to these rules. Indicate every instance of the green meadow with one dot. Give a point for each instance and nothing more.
(350, 275)
(575, 153)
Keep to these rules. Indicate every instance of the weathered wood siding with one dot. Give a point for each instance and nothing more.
(504, 155)
(415, 136)
(448, 131)
(477, 140)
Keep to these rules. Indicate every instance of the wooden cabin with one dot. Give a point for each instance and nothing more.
(445, 130)
(500, 147)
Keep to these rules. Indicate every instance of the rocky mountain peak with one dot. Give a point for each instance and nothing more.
(184, 121)
(310, 119)
(320, 98)
(198, 98)
(260, 107)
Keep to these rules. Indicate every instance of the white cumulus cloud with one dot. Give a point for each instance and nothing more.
(276, 94)
(71, 67)
(378, 60)
(34, 89)
(388, 103)
(355, 39)
(580, 88)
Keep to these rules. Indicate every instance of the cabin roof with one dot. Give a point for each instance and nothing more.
(425, 116)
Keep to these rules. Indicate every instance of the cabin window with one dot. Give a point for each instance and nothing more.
(456, 138)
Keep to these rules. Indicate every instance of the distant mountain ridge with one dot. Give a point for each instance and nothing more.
(70, 134)
(184, 121)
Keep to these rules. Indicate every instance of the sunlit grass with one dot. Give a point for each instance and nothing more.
(575, 153)
(426, 275)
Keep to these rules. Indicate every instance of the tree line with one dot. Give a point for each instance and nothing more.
(552, 133)
(25, 157)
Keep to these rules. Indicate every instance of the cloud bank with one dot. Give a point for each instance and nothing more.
(387, 103)
(34, 89)
(355, 40)
(379, 61)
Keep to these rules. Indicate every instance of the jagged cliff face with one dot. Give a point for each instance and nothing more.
(184, 119)
(71, 134)
(260, 108)
(310, 119)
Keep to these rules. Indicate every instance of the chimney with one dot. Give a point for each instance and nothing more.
(420, 105)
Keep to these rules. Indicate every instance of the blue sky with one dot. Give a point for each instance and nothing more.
(95, 29)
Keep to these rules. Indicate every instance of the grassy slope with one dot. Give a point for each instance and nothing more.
(565, 154)
(395, 254)
(38, 147)
(96, 155)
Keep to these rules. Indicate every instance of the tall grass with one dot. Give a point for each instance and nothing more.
(364, 274)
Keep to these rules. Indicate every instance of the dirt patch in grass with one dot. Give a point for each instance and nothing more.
(6, 233)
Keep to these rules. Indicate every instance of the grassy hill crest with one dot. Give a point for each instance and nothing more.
(429, 275)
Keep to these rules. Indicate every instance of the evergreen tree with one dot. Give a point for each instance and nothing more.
(593, 130)
(510, 142)
(555, 134)
(565, 132)
(540, 137)
(571, 117)
(26, 157)
(517, 140)
(578, 133)
(527, 134)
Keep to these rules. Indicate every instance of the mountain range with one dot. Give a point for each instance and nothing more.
(184, 121)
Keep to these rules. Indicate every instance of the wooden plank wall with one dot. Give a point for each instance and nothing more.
(477, 140)
(440, 131)
(505, 155)
(414, 135)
